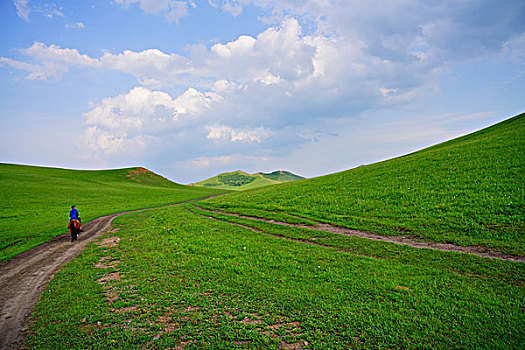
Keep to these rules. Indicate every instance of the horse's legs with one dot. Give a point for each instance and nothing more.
(73, 235)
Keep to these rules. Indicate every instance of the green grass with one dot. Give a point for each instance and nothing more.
(467, 191)
(193, 282)
(461, 263)
(36, 201)
(282, 176)
(239, 180)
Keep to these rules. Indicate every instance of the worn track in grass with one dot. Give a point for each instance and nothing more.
(24, 278)
(403, 240)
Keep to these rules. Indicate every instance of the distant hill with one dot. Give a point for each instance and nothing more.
(240, 180)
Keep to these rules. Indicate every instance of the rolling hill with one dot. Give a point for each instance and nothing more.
(240, 180)
(36, 200)
(467, 191)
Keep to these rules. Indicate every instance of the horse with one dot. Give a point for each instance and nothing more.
(74, 227)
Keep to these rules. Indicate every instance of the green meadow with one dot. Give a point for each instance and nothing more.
(181, 278)
(467, 191)
(177, 280)
(36, 201)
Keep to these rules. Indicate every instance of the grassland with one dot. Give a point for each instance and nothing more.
(467, 191)
(36, 201)
(178, 280)
(240, 180)
(171, 278)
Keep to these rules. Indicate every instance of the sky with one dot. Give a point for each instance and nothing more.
(190, 88)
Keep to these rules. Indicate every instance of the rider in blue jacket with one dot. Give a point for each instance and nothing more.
(73, 214)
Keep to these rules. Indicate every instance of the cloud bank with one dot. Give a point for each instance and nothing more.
(317, 62)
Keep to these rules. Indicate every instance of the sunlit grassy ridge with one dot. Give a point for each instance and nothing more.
(467, 191)
(35, 201)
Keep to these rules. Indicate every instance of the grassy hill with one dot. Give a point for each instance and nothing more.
(467, 191)
(239, 180)
(36, 201)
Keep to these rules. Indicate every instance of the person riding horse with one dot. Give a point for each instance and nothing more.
(74, 223)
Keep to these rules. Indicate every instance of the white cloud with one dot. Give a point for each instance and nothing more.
(78, 25)
(151, 66)
(96, 139)
(269, 79)
(136, 119)
(54, 53)
(232, 8)
(19, 64)
(53, 61)
(193, 101)
(226, 133)
(178, 10)
(129, 112)
(173, 10)
(22, 9)
(224, 85)
(51, 11)
(242, 46)
(148, 65)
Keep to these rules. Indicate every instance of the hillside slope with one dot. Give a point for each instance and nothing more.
(36, 201)
(240, 180)
(467, 191)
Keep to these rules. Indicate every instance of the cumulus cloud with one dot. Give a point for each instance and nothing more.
(138, 118)
(54, 53)
(150, 65)
(100, 140)
(278, 51)
(129, 112)
(193, 102)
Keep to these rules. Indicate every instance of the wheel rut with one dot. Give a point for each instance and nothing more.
(402, 240)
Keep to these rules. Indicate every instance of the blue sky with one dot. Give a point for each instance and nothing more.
(193, 88)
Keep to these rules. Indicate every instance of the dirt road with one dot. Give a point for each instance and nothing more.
(23, 278)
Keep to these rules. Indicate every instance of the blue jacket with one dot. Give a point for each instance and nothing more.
(73, 214)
